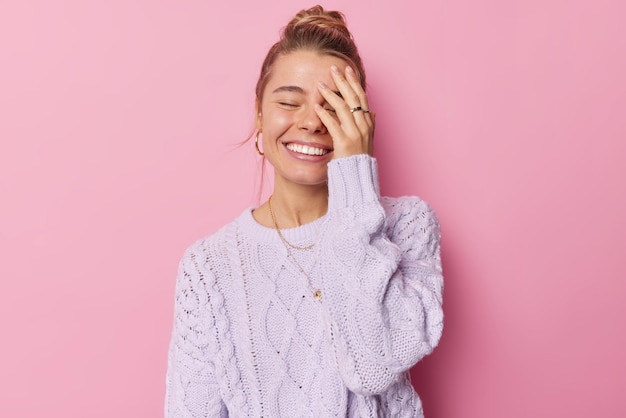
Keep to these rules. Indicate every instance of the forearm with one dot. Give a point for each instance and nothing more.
(383, 303)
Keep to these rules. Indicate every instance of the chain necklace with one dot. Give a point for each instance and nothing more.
(317, 293)
(280, 234)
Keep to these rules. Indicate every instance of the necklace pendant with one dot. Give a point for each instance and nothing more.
(317, 295)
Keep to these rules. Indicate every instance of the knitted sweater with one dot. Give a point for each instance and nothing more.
(250, 340)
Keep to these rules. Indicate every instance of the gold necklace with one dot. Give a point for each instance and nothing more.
(317, 293)
(280, 234)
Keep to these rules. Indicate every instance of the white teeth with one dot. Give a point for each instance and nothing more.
(305, 149)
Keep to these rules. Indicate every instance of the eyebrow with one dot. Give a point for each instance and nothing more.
(291, 89)
(296, 89)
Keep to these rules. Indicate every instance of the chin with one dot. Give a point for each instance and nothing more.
(309, 180)
(316, 182)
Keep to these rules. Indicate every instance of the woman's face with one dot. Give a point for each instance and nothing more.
(295, 141)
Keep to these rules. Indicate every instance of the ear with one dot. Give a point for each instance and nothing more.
(259, 115)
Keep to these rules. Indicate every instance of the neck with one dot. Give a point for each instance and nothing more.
(296, 206)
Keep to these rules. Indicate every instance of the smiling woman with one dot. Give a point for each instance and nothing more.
(319, 301)
(295, 140)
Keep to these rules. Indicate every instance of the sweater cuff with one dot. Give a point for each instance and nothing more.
(352, 181)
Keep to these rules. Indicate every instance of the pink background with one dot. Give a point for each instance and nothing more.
(119, 122)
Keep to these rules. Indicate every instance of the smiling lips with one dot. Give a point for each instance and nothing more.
(306, 149)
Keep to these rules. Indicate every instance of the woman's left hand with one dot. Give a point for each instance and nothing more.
(352, 129)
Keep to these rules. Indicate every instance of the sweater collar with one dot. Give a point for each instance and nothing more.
(300, 235)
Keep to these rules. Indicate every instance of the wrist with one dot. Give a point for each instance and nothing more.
(352, 181)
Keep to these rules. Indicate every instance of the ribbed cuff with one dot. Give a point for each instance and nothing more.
(352, 181)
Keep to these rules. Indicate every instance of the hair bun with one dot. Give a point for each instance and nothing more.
(317, 16)
(316, 30)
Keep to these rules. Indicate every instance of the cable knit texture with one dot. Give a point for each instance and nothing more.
(249, 339)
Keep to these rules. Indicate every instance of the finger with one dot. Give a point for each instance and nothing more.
(355, 84)
(354, 96)
(330, 122)
(342, 145)
(346, 135)
(338, 99)
(349, 95)
(368, 119)
(371, 144)
(342, 110)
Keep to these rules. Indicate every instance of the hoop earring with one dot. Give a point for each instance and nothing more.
(256, 143)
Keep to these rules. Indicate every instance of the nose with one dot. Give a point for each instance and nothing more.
(310, 122)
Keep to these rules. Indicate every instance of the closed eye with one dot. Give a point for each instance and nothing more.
(289, 105)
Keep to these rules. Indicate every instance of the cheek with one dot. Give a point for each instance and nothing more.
(276, 123)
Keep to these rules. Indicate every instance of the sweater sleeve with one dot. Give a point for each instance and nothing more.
(382, 278)
(191, 386)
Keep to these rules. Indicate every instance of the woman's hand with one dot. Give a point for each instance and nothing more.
(352, 128)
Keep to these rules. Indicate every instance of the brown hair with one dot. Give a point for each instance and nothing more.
(318, 30)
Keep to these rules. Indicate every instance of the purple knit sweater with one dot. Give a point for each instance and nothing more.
(249, 339)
